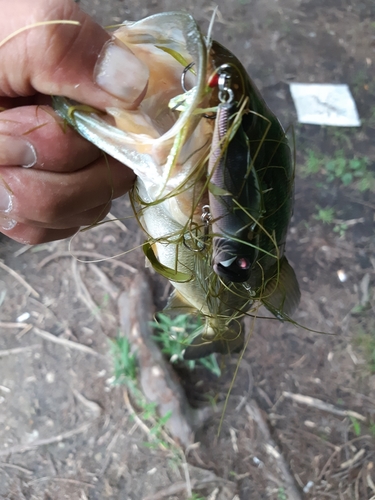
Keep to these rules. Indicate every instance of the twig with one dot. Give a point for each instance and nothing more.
(133, 413)
(185, 467)
(336, 453)
(24, 331)
(84, 294)
(272, 450)
(16, 467)
(16, 350)
(321, 405)
(203, 480)
(19, 279)
(13, 325)
(173, 489)
(111, 445)
(97, 256)
(105, 282)
(349, 463)
(21, 448)
(65, 342)
(61, 480)
(91, 405)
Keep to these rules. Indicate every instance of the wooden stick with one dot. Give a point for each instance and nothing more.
(17, 350)
(19, 279)
(64, 342)
(21, 448)
(13, 325)
(272, 450)
(61, 480)
(321, 405)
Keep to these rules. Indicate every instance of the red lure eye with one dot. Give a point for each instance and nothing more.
(243, 263)
(213, 80)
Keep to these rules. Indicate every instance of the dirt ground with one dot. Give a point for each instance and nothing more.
(66, 431)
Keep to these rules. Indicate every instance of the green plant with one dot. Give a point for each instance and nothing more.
(125, 364)
(352, 172)
(313, 163)
(340, 228)
(356, 426)
(281, 494)
(174, 335)
(325, 215)
(366, 342)
(195, 496)
(125, 372)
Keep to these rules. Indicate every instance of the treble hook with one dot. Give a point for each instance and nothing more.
(206, 219)
(183, 76)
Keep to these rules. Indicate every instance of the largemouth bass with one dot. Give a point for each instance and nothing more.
(214, 191)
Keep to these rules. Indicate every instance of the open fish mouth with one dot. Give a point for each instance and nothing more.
(214, 189)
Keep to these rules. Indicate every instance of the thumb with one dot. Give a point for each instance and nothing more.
(80, 62)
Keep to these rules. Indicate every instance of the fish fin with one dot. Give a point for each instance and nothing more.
(282, 292)
(177, 304)
(167, 272)
(200, 348)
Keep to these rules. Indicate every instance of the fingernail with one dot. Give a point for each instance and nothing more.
(5, 199)
(6, 204)
(7, 224)
(120, 73)
(16, 151)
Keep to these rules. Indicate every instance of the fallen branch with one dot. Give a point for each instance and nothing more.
(201, 479)
(90, 405)
(271, 449)
(173, 489)
(13, 325)
(61, 480)
(16, 350)
(19, 279)
(84, 295)
(321, 405)
(21, 448)
(65, 342)
(349, 463)
(16, 467)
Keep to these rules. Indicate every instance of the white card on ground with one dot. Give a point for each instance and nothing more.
(325, 104)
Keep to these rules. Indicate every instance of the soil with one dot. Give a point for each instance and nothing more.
(65, 430)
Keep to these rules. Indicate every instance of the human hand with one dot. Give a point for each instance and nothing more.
(52, 181)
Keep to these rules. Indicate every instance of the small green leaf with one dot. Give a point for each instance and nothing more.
(356, 426)
(347, 178)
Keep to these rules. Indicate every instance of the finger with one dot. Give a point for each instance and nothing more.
(60, 59)
(31, 235)
(37, 196)
(87, 218)
(34, 136)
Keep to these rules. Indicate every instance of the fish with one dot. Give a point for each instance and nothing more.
(215, 178)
